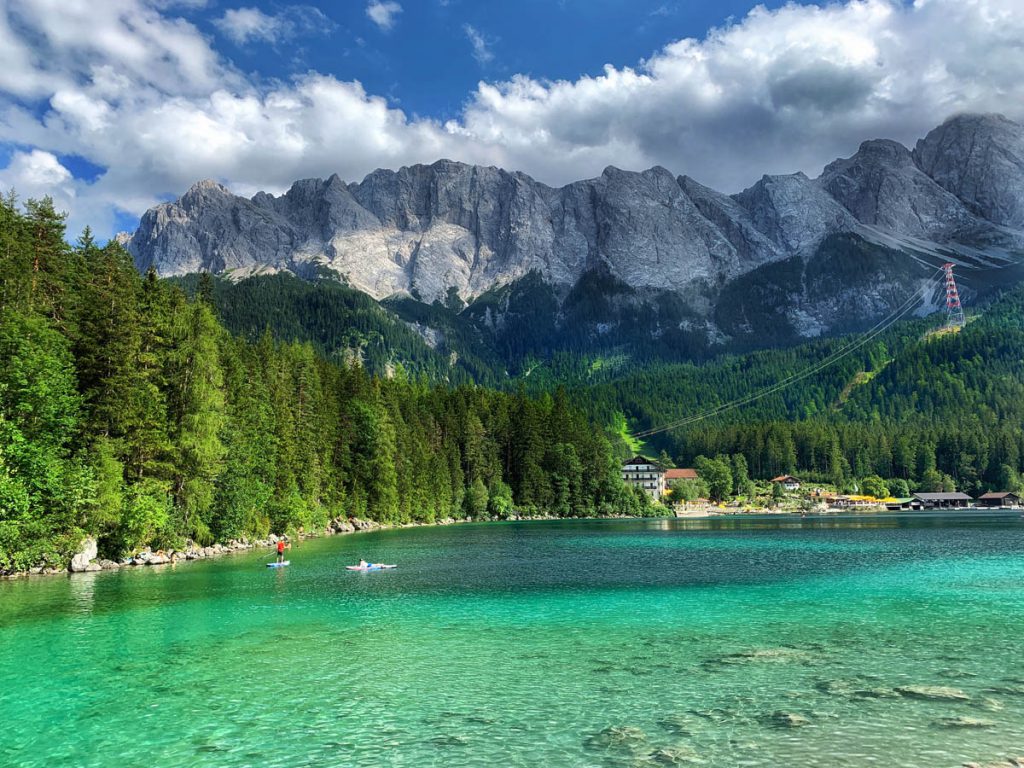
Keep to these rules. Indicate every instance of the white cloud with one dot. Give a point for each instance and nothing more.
(245, 25)
(143, 94)
(37, 172)
(383, 13)
(481, 47)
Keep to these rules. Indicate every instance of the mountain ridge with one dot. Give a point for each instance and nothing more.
(431, 232)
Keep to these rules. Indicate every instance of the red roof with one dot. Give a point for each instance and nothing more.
(681, 474)
(785, 479)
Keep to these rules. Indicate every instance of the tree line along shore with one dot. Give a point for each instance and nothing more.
(130, 415)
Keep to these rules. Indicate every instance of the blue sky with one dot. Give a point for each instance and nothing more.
(113, 106)
(426, 61)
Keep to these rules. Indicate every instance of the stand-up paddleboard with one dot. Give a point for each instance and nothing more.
(278, 565)
(374, 567)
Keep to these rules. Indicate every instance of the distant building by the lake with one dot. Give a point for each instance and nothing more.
(999, 499)
(788, 482)
(945, 500)
(652, 477)
(684, 473)
(641, 472)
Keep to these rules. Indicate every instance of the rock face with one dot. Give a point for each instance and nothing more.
(882, 186)
(980, 159)
(426, 230)
(794, 213)
(429, 231)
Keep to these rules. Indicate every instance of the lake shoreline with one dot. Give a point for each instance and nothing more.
(337, 527)
(345, 526)
(759, 638)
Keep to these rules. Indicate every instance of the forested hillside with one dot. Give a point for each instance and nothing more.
(939, 411)
(935, 409)
(346, 325)
(129, 412)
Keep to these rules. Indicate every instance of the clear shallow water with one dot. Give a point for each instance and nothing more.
(729, 642)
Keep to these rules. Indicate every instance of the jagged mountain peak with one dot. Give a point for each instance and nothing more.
(425, 230)
(980, 159)
(883, 186)
(204, 190)
(794, 212)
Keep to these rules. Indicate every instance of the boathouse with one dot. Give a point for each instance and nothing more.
(952, 500)
(999, 499)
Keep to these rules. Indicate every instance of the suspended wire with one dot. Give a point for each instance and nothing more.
(789, 380)
(838, 354)
(883, 325)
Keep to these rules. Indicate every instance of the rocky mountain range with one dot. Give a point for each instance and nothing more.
(869, 231)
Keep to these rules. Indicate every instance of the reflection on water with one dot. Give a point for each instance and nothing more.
(82, 588)
(768, 641)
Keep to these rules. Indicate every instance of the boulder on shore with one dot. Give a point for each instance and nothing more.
(88, 552)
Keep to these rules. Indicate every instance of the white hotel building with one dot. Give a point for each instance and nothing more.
(645, 473)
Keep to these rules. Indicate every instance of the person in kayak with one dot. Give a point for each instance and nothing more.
(280, 550)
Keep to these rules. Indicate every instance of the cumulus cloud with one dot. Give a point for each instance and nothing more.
(37, 172)
(481, 47)
(383, 13)
(245, 25)
(133, 89)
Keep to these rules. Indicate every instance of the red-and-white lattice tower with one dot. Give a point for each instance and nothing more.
(954, 310)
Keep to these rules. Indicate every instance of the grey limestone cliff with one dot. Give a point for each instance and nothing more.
(980, 160)
(427, 230)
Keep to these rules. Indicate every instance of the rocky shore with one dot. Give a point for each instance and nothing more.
(87, 559)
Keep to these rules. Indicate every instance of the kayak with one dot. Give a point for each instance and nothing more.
(278, 565)
(371, 567)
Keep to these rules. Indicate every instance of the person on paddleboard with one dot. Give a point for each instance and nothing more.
(280, 550)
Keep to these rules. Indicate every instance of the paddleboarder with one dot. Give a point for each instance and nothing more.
(280, 550)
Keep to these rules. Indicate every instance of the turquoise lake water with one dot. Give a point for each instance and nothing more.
(722, 642)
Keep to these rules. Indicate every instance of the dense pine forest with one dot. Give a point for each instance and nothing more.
(147, 412)
(938, 410)
(935, 411)
(130, 413)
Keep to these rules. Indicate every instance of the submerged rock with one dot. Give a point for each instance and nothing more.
(680, 725)
(933, 693)
(619, 737)
(780, 719)
(964, 722)
(760, 655)
(449, 741)
(715, 714)
(679, 755)
(855, 689)
(1009, 689)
